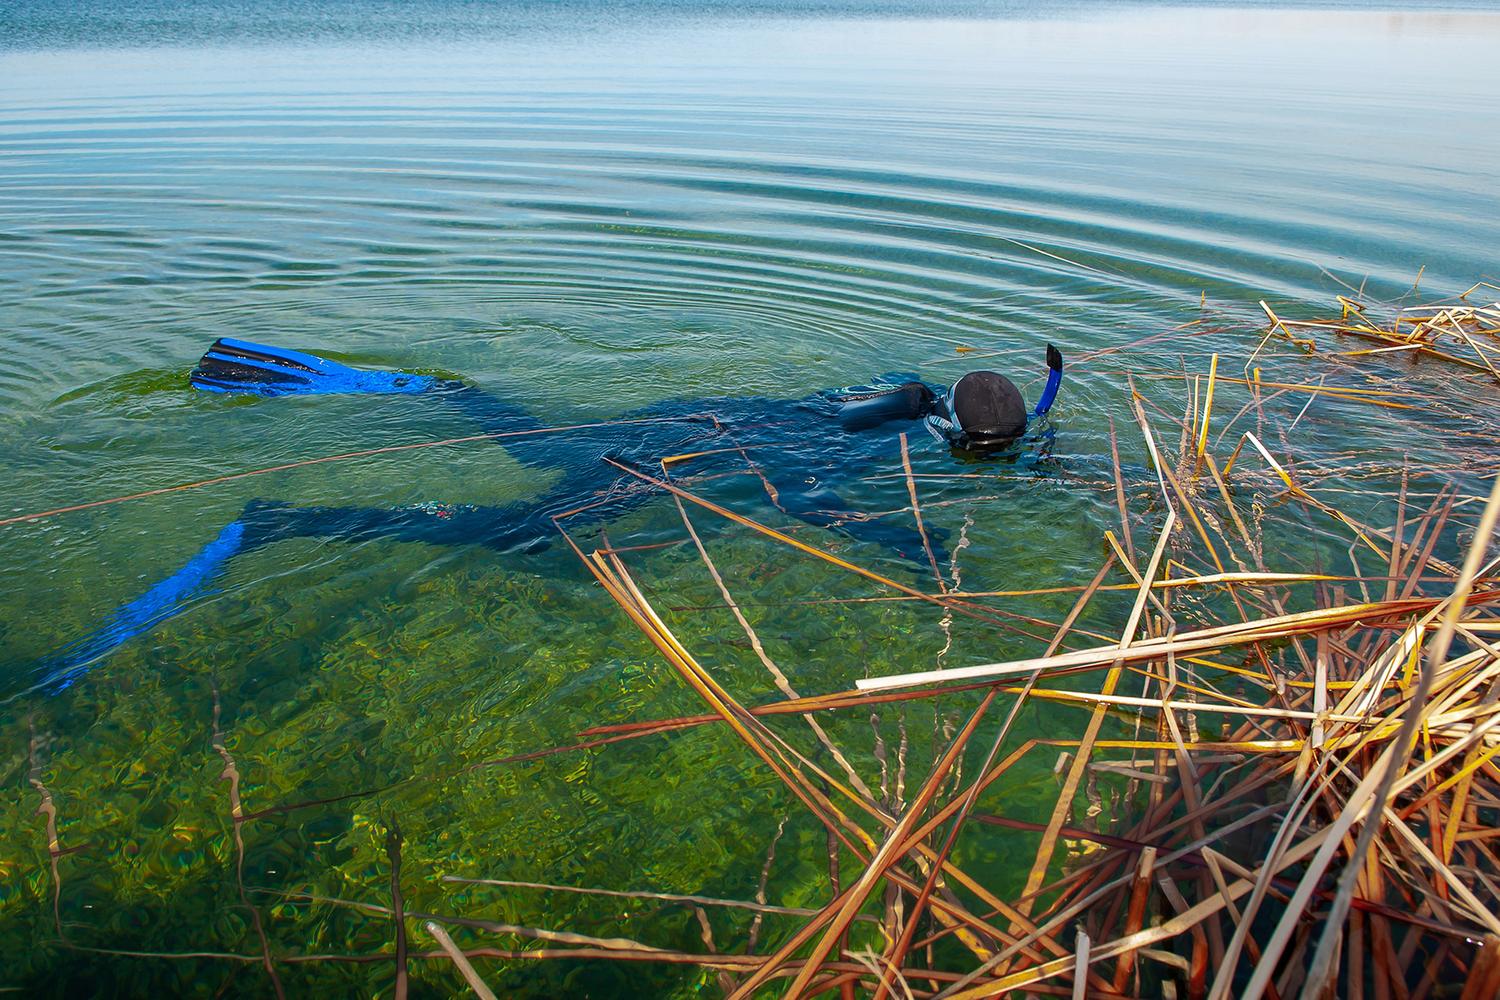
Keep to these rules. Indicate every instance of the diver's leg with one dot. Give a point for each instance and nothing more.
(247, 368)
(262, 523)
(490, 413)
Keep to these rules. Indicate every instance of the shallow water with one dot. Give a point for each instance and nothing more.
(593, 209)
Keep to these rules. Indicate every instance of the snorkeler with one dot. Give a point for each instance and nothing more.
(830, 436)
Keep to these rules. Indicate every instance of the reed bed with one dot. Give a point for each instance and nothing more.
(1304, 795)
(1333, 835)
(1458, 332)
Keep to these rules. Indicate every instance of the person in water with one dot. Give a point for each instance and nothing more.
(829, 436)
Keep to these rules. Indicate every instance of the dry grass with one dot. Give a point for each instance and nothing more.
(1365, 763)
(1460, 333)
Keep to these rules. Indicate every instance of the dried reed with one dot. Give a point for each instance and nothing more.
(1336, 836)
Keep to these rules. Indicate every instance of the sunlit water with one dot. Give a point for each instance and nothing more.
(591, 208)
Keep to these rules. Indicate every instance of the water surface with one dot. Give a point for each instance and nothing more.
(594, 207)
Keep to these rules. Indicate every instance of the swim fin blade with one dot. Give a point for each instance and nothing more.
(241, 366)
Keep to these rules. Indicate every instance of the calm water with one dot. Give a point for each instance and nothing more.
(592, 208)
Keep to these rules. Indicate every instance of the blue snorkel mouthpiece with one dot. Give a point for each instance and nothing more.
(1054, 381)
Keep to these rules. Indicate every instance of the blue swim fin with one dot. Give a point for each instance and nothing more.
(156, 605)
(241, 366)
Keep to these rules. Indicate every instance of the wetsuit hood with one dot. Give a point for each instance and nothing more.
(988, 406)
(983, 409)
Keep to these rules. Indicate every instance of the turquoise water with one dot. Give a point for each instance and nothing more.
(593, 208)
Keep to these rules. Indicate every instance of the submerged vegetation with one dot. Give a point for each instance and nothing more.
(1252, 754)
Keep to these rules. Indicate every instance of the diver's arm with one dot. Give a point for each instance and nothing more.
(1054, 381)
(909, 401)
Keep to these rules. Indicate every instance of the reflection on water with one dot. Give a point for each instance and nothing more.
(590, 208)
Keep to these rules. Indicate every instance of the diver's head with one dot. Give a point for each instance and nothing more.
(986, 409)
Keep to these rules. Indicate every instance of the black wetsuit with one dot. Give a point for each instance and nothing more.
(797, 447)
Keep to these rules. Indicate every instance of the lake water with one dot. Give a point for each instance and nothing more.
(593, 207)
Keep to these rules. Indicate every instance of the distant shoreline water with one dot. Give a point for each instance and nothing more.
(58, 24)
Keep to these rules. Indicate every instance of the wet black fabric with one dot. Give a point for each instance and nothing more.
(908, 401)
(987, 406)
(797, 446)
(794, 447)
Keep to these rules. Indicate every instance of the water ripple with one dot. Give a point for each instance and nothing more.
(591, 210)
